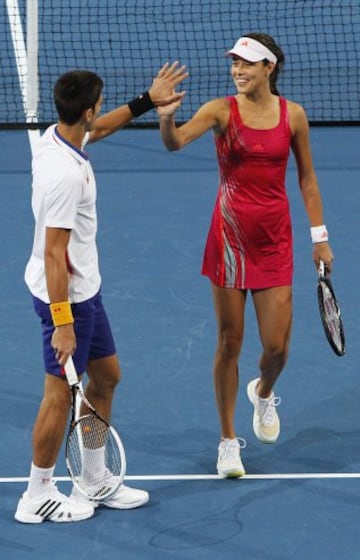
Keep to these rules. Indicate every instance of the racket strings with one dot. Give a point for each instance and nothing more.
(331, 316)
(94, 458)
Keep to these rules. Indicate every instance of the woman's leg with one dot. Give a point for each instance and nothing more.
(229, 308)
(274, 314)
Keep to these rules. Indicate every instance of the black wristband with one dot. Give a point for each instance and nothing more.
(141, 104)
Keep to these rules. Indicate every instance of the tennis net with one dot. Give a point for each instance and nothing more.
(126, 42)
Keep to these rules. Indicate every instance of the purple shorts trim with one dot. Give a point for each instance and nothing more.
(94, 338)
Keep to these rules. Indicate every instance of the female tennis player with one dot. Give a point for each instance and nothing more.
(249, 245)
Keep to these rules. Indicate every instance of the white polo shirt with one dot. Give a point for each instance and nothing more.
(64, 196)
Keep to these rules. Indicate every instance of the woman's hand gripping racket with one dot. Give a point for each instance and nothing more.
(330, 312)
(95, 455)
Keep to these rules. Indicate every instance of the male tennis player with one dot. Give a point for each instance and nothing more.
(64, 280)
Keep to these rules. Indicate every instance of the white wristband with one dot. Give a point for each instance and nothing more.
(319, 234)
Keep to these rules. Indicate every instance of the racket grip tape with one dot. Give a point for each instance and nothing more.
(70, 372)
(321, 268)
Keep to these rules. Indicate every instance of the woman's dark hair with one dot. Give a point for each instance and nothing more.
(269, 43)
(75, 92)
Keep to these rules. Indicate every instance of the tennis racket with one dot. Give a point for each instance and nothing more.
(330, 311)
(94, 453)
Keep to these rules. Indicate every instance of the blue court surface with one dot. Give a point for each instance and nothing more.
(301, 497)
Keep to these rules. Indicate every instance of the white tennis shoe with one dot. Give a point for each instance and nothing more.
(229, 464)
(124, 498)
(266, 422)
(53, 506)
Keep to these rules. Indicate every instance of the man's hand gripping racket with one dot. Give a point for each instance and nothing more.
(330, 312)
(95, 455)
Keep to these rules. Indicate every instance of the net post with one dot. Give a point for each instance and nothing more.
(32, 51)
(32, 77)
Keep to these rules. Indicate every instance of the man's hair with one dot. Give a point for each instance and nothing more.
(75, 92)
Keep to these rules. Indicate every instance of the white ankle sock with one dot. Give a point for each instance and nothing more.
(94, 462)
(40, 480)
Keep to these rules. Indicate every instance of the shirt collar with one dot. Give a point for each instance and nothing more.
(76, 152)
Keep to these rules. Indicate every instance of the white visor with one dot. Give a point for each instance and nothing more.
(251, 50)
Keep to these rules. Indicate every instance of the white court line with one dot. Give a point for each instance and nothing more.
(276, 476)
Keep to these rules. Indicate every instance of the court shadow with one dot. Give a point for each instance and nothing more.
(328, 441)
(314, 450)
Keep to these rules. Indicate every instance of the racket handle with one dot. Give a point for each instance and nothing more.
(70, 372)
(321, 269)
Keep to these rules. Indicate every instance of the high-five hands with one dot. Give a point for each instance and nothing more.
(163, 89)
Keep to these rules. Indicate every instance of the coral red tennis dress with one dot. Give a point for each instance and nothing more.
(249, 244)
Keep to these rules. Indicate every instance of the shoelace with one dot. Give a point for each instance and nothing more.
(101, 476)
(266, 409)
(54, 492)
(98, 487)
(230, 447)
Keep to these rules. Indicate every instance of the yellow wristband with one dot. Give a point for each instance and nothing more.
(61, 313)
